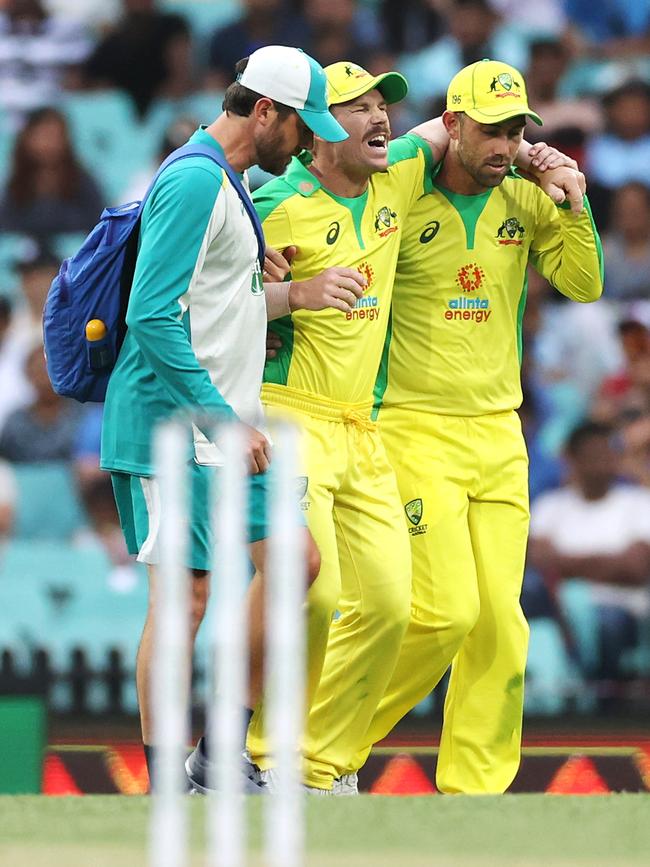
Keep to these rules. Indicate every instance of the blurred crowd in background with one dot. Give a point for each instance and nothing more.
(93, 95)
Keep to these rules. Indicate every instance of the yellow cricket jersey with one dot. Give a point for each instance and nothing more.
(454, 343)
(328, 353)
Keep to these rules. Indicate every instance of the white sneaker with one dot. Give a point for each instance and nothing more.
(269, 778)
(346, 785)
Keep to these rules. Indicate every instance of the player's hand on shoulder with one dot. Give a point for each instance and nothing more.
(277, 265)
(336, 287)
(543, 157)
(565, 185)
(258, 451)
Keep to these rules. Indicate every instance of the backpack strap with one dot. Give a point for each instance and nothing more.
(193, 150)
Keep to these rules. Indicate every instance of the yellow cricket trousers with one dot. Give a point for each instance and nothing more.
(354, 512)
(464, 485)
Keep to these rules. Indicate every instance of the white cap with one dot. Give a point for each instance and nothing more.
(295, 79)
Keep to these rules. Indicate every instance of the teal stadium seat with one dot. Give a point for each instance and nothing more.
(203, 106)
(7, 136)
(14, 247)
(48, 506)
(551, 678)
(59, 597)
(578, 606)
(204, 16)
(106, 137)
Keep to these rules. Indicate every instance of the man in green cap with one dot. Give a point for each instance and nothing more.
(446, 399)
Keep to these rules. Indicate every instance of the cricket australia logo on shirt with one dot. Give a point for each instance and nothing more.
(385, 222)
(257, 283)
(469, 279)
(510, 232)
(366, 307)
(414, 511)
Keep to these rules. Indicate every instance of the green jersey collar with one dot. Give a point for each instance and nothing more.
(300, 178)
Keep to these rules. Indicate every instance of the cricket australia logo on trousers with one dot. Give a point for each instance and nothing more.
(302, 486)
(414, 510)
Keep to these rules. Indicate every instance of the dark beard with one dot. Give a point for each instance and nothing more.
(269, 155)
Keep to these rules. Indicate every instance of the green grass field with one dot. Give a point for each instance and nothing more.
(368, 831)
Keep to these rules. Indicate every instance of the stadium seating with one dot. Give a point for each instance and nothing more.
(551, 678)
(105, 135)
(59, 598)
(203, 17)
(48, 506)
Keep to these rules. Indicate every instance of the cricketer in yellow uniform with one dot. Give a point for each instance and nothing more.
(447, 394)
(324, 375)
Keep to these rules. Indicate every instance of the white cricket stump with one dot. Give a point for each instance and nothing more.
(170, 687)
(228, 683)
(285, 663)
(228, 669)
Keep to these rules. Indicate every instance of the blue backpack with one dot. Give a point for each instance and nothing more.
(84, 318)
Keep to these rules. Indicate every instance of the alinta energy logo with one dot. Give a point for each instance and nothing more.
(469, 307)
(367, 307)
(470, 277)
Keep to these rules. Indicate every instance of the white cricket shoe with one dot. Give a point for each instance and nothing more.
(269, 778)
(346, 786)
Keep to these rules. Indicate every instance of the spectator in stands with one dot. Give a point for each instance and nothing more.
(410, 25)
(85, 455)
(262, 22)
(36, 269)
(627, 244)
(567, 122)
(474, 31)
(621, 397)
(96, 15)
(45, 429)
(634, 422)
(48, 191)
(621, 153)
(36, 51)
(572, 353)
(543, 18)
(326, 29)
(339, 28)
(598, 530)
(175, 135)
(22, 327)
(615, 28)
(8, 494)
(15, 391)
(148, 54)
(104, 531)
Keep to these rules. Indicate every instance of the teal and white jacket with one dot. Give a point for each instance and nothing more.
(196, 316)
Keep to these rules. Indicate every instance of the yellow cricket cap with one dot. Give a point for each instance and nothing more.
(347, 81)
(489, 92)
